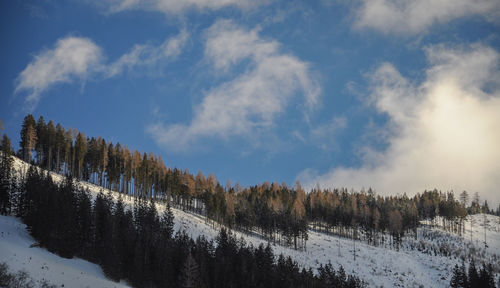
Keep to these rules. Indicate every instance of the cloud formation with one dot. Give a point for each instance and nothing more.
(251, 101)
(417, 16)
(149, 55)
(178, 7)
(72, 58)
(442, 133)
(79, 58)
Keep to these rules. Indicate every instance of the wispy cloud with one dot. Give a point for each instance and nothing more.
(417, 16)
(442, 133)
(148, 55)
(72, 58)
(252, 100)
(79, 58)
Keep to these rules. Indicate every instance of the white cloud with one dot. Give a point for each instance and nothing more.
(71, 58)
(417, 16)
(178, 7)
(442, 133)
(251, 101)
(148, 55)
(78, 58)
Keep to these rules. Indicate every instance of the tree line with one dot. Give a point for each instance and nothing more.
(345, 213)
(280, 213)
(145, 176)
(140, 246)
(472, 277)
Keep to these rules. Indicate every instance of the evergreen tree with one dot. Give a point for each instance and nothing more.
(6, 179)
(103, 233)
(80, 151)
(473, 276)
(486, 277)
(121, 238)
(167, 222)
(59, 146)
(459, 277)
(68, 148)
(84, 224)
(190, 274)
(28, 137)
(51, 142)
(66, 218)
(41, 143)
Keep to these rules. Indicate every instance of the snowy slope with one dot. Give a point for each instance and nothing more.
(479, 222)
(484, 228)
(378, 266)
(42, 265)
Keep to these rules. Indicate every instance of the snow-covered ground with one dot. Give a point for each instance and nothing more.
(42, 265)
(378, 266)
(479, 222)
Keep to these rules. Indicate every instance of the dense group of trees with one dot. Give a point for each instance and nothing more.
(281, 214)
(139, 245)
(345, 213)
(472, 277)
(281, 210)
(275, 210)
(7, 178)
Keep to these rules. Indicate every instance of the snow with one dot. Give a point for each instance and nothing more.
(42, 265)
(378, 266)
(492, 231)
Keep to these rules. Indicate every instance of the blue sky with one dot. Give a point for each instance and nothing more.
(398, 96)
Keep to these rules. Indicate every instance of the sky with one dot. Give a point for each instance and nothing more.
(400, 96)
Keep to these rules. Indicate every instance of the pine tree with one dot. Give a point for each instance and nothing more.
(119, 239)
(127, 167)
(41, 144)
(459, 277)
(190, 274)
(67, 243)
(486, 277)
(84, 227)
(473, 276)
(80, 151)
(28, 137)
(167, 222)
(51, 143)
(68, 147)
(60, 144)
(103, 160)
(5, 176)
(103, 231)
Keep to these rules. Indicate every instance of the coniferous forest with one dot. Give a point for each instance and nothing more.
(280, 213)
(140, 244)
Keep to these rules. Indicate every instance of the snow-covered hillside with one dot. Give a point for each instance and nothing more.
(42, 265)
(377, 266)
(412, 266)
